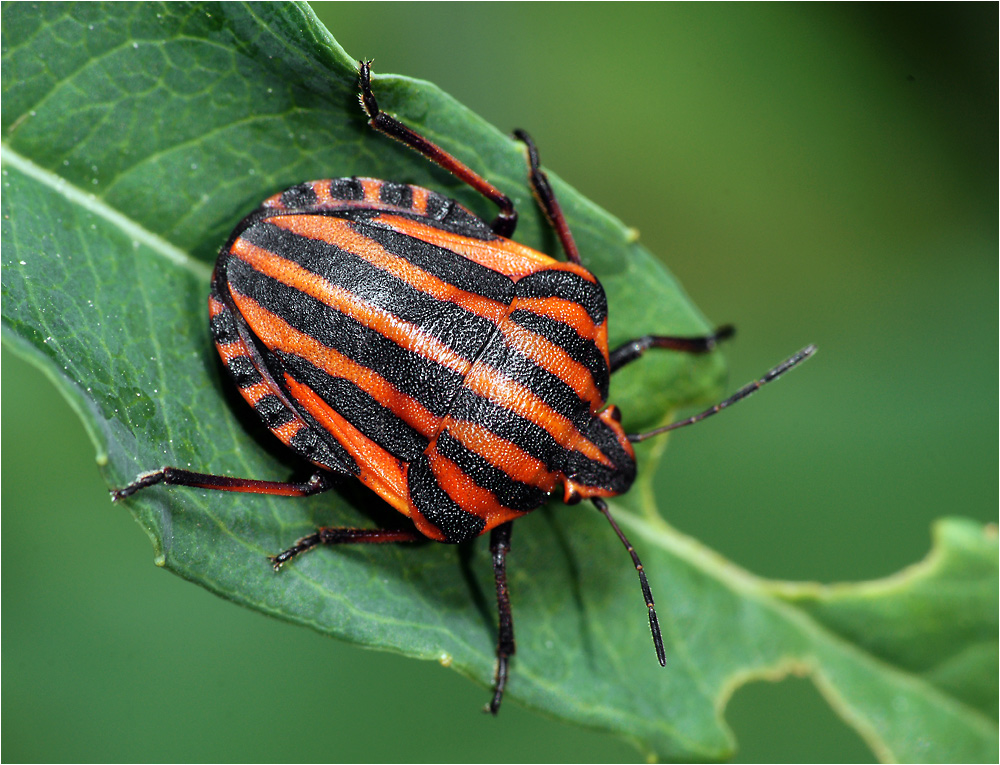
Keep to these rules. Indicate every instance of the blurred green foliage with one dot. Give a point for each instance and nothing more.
(813, 173)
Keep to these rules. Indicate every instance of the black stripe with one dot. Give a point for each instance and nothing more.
(438, 206)
(396, 194)
(311, 445)
(441, 262)
(434, 504)
(301, 197)
(566, 286)
(377, 422)
(550, 388)
(429, 383)
(347, 189)
(581, 349)
(616, 479)
(223, 328)
(272, 411)
(454, 219)
(243, 371)
(624, 472)
(448, 215)
(509, 492)
(510, 426)
(461, 330)
(458, 220)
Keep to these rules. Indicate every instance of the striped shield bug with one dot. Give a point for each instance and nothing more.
(384, 332)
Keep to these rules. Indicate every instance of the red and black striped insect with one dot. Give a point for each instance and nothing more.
(385, 332)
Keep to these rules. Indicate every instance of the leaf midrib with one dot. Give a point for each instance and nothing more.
(129, 227)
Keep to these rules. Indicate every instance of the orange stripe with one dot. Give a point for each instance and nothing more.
(469, 496)
(287, 431)
(408, 336)
(419, 200)
(503, 455)
(371, 188)
(273, 202)
(277, 334)
(609, 417)
(466, 493)
(562, 310)
(502, 255)
(339, 232)
(380, 471)
(322, 191)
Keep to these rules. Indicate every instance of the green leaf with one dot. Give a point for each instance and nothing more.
(135, 136)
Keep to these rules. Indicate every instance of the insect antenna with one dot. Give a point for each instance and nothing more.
(654, 624)
(739, 395)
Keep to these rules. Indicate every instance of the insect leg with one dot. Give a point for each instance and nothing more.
(339, 536)
(739, 395)
(547, 199)
(633, 349)
(319, 482)
(172, 476)
(647, 595)
(505, 223)
(499, 547)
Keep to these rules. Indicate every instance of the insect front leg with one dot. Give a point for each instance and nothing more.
(505, 223)
(634, 349)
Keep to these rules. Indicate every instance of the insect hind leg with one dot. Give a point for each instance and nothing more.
(171, 476)
(328, 535)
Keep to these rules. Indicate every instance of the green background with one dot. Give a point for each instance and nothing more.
(812, 173)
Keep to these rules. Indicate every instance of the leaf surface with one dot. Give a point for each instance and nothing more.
(136, 136)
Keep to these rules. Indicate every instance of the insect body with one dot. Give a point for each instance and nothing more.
(462, 394)
(384, 332)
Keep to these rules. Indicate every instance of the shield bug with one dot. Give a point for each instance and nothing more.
(383, 331)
